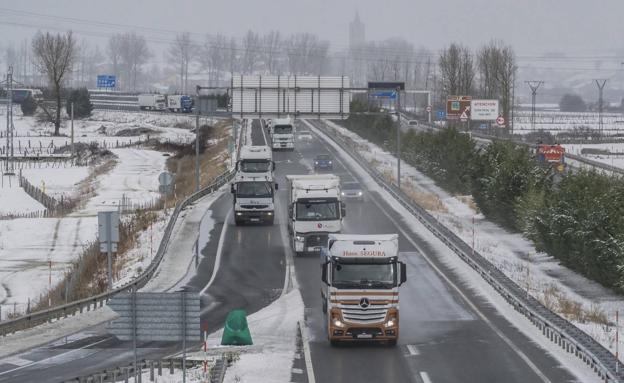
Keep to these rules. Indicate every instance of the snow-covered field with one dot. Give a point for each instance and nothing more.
(544, 277)
(35, 253)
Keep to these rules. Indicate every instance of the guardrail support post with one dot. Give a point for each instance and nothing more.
(151, 371)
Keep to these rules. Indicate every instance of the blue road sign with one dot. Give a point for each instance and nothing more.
(483, 126)
(391, 94)
(440, 114)
(106, 81)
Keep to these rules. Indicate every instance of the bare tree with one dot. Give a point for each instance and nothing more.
(113, 49)
(214, 57)
(457, 70)
(251, 51)
(54, 55)
(181, 50)
(271, 49)
(232, 56)
(133, 54)
(497, 72)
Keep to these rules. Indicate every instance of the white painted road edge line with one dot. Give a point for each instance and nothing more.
(425, 377)
(306, 352)
(53, 357)
(219, 252)
(498, 332)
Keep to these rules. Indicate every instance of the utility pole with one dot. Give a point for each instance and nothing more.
(197, 89)
(72, 131)
(534, 85)
(9, 124)
(601, 84)
(398, 113)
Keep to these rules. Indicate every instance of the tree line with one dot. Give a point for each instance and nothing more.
(578, 217)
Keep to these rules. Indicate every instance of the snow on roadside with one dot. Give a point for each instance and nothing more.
(14, 200)
(274, 334)
(56, 182)
(476, 281)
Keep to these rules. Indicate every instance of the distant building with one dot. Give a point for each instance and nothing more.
(357, 45)
(357, 32)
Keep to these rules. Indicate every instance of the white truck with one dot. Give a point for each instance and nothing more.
(152, 102)
(255, 161)
(315, 210)
(282, 131)
(254, 199)
(361, 275)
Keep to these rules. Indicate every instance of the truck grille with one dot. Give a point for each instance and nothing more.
(316, 240)
(254, 206)
(355, 314)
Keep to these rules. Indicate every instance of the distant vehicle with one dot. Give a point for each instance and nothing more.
(412, 122)
(304, 135)
(323, 162)
(152, 102)
(256, 161)
(352, 190)
(282, 132)
(19, 95)
(179, 103)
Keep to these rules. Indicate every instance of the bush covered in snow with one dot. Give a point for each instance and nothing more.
(82, 103)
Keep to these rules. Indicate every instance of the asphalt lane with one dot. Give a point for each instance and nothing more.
(444, 336)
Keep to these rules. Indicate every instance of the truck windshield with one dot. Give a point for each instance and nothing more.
(321, 210)
(282, 129)
(257, 166)
(254, 189)
(364, 276)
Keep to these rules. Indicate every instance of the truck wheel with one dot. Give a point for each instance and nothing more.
(270, 221)
(324, 305)
(238, 222)
(334, 342)
(392, 343)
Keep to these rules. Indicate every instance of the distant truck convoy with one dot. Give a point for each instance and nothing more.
(361, 275)
(179, 103)
(152, 102)
(282, 131)
(315, 210)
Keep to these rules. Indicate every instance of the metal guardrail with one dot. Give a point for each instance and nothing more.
(155, 368)
(55, 313)
(556, 328)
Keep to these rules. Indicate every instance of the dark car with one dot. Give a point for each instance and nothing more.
(323, 162)
(352, 190)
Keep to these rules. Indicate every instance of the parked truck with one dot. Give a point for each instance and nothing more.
(361, 275)
(254, 199)
(152, 102)
(282, 131)
(315, 210)
(179, 103)
(255, 161)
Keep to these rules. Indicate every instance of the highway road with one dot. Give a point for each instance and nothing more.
(449, 333)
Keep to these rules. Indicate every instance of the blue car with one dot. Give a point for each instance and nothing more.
(323, 162)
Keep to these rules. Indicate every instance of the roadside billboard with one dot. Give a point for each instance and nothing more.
(484, 110)
(458, 108)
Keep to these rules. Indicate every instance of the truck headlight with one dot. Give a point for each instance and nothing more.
(337, 323)
(359, 193)
(239, 213)
(391, 322)
(342, 193)
(270, 213)
(299, 238)
(315, 162)
(330, 162)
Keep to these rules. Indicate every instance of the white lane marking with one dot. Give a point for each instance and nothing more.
(425, 377)
(219, 252)
(306, 352)
(297, 371)
(413, 350)
(266, 142)
(16, 361)
(53, 357)
(498, 332)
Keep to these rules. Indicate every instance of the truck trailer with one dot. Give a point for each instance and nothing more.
(361, 275)
(152, 102)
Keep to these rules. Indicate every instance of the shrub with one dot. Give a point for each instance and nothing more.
(82, 103)
(29, 106)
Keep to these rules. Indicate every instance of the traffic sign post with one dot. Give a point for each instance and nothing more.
(106, 81)
(458, 108)
(484, 110)
(440, 115)
(108, 233)
(500, 121)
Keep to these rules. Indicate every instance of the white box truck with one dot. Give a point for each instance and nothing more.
(152, 102)
(282, 132)
(255, 161)
(179, 103)
(361, 275)
(315, 210)
(254, 199)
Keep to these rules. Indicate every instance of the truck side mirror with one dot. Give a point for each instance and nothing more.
(403, 273)
(276, 186)
(290, 211)
(324, 272)
(232, 189)
(343, 209)
(273, 165)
